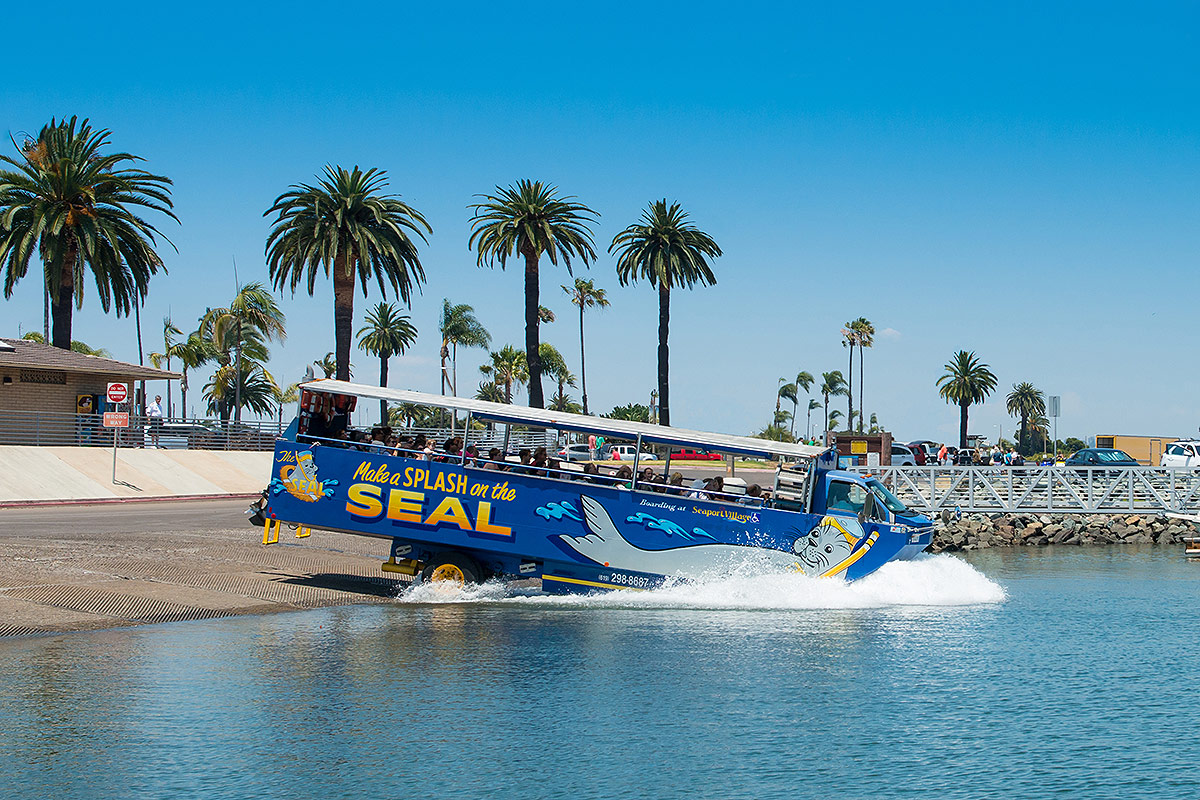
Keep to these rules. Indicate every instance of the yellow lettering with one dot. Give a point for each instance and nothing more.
(405, 506)
(484, 523)
(439, 483)
(450, 510)
(362, 500)
(408, 476)
(361, 471)
(395, 481)
(462, 484)
(381, 474)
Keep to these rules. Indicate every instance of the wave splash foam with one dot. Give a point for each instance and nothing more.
(929, 580)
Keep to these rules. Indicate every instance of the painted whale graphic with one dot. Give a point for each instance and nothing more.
(605, 545)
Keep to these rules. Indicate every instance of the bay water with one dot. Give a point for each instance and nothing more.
(1029, 673)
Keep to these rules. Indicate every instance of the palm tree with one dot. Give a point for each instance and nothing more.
(458, 326)
(387, 333)
(193, 352)
(488, 390)
(545, 315)
(507, 369)
(804, 380)
(667, 251)
(585, 294)
(289, 395)
(328, 365)
(874, 423)
(965, 381)
(170, 331)
(79, 207)
(813, 405)
(1025, 401)
(531, 219)
(864, 334)
(252, 312)
(345, 223)
(556, 367)
(786, 391)
(832, 385)
(850, 339)
(834, 417)
(256, 389)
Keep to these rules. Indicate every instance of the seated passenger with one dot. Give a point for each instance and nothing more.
(624, 476)
(754, 495)
(472, 455)
(675, 483)
(539, 458)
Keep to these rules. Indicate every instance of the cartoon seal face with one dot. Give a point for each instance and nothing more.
(827, 545)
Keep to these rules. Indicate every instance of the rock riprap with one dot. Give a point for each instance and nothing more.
(975, 531)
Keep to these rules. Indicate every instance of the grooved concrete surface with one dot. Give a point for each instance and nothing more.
(73, 473)
(100, 566)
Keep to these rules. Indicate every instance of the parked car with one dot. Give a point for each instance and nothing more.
(695, 455)
(964, 457)
(903, 456)
(626, 452)
(1184, 453)
(1091, 457)
(926, 451)
(575, 452)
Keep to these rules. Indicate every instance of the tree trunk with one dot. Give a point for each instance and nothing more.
(237, 376)
(582, 363)
(454, 371)
(826, 428)
(962, 425)
(45, 313)
(664, 327)
(343, 312)
(850, 391)
(183, 394)
(532, 357)
(62, 307)
(383, 381)
(795, 411)
(445, 353)
(1021, 445)
(861, 406)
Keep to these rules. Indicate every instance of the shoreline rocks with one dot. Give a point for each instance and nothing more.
(977, 531)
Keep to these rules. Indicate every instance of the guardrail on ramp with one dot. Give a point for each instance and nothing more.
(1059, 490)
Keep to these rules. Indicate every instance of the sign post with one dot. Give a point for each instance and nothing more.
(1052, 405)
(117, 395)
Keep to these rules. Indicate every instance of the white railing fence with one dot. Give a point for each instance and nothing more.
(1064, 490)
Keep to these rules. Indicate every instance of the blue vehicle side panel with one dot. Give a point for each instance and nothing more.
(576, 535)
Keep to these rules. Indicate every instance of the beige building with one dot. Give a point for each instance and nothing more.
(46, 388)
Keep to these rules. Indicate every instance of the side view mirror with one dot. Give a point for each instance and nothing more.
(946, 516)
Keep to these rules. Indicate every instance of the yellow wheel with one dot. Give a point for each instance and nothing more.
(451, 570)
(448, 573)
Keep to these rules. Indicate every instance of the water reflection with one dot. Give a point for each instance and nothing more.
(1065, 687)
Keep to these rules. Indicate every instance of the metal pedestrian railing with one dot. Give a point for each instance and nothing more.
(1063, 490)
(46, 428)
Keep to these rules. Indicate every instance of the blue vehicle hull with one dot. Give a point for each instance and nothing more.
(574, 535)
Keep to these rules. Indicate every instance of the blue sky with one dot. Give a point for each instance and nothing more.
(1019, 181)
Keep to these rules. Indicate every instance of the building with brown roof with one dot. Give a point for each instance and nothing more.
(37, 377)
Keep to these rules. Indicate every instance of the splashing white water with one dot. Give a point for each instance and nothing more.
(930, 580)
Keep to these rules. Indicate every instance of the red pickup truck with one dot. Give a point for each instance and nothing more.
(694, 455)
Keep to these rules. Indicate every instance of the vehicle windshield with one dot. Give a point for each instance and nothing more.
(893, 503)
(1113, 455)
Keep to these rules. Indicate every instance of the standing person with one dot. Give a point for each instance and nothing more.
(154, 415)
(942, 454)
(592, 446)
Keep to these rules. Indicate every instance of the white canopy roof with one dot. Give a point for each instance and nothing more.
(561, 420)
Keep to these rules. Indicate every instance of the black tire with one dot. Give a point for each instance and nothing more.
(449, 566)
